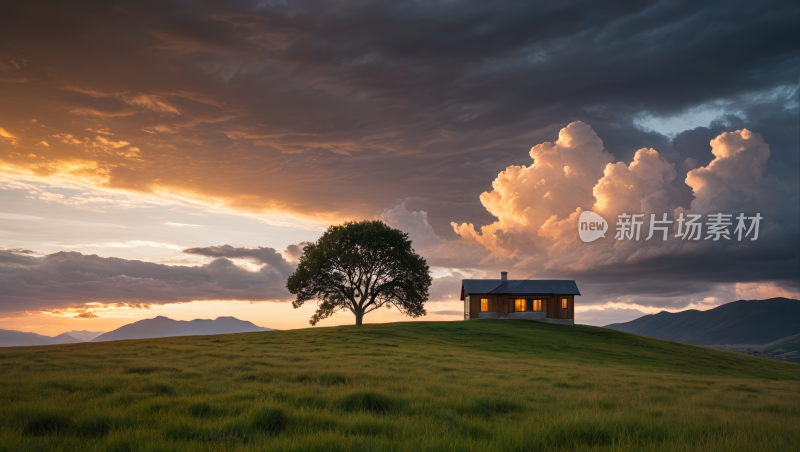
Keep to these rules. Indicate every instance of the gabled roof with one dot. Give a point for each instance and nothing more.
(524, 286)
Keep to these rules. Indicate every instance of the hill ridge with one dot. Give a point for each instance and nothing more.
(162, 326)
(754, 322)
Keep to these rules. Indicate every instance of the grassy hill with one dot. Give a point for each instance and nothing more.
(788, 346)
(739, 322)
(479, 385)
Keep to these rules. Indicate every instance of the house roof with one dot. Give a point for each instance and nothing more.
(524, 286)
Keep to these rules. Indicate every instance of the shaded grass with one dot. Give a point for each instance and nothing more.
(369, 401)
(149, 370)
(269, 420)
(487, 406)
(479, 386)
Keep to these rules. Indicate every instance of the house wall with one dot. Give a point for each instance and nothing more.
(557, 311)
(551, 305)
(528, 315)
(474, 306)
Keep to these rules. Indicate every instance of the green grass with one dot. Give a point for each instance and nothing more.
(452, 386)
(786, 345)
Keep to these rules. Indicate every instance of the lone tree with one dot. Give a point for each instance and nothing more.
(360, 267)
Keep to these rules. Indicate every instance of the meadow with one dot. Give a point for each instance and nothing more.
(488, 385)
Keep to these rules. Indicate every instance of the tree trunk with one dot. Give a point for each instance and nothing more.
(359, 318)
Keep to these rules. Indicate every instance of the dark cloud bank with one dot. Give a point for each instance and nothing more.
(431, 99)
(72, 279)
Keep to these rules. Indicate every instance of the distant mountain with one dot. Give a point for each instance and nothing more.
(143, 329)
(165, 327)
(66, 338)
(11, 338)
(754, 322)
(84, 335)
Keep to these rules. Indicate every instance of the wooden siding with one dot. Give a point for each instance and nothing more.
(555, 311)
(551, 305)
(474, 306)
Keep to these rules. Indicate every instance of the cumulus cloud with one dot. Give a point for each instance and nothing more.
(534, 237)
(523, 198)
(643, 186)
(735, 179)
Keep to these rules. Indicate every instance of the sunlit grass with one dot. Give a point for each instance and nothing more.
(476, 385)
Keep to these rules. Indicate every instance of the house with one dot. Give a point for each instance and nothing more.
(543, 300)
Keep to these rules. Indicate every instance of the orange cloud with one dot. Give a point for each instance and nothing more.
(85, 315)
(762, 291)
(642, 186)
(735, 178)
(7, 137)
(537, 207)
(158, 170)
(151, 102)
(524, 198)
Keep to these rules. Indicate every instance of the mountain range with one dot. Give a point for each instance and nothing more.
(756, 322)
(143, 329)
(165, 327)
(12, 338)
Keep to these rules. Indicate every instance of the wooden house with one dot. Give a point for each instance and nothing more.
(551, 301)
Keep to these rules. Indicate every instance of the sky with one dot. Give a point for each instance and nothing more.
(172, 158)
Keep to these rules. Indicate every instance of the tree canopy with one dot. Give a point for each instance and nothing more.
(360, 267)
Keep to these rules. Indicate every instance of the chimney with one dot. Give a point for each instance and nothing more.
(504, 276)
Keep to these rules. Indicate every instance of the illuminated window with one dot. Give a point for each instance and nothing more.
(519, 304)
(564, 304)
(484, 304)
(537, 305)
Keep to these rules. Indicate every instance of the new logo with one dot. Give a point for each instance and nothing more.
(591, 226)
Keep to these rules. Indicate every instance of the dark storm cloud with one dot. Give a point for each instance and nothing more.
(430, 98)
(771, 259)
(333, 110)
(71, 279)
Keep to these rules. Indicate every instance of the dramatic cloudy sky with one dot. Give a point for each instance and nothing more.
(172, 157)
